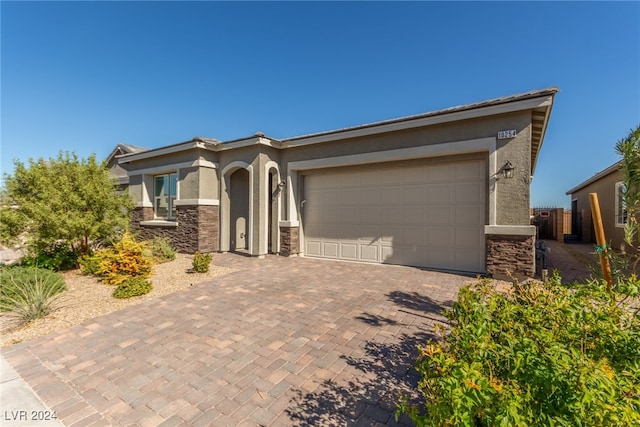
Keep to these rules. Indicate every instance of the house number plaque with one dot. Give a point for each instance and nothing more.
(505, 134)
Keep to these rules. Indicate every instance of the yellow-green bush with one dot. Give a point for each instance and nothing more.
(127, 258)
(201, 262)
(132, 287)
(89, 264)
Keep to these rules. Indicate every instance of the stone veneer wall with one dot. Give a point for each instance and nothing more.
(289, 241)
(196, 230)
(513, 255)
(141, 214)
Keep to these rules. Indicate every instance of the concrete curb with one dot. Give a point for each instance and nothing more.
(20, 405)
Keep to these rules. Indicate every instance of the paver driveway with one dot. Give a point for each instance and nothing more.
(281, 341)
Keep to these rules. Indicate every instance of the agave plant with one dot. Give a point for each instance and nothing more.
(28, 293)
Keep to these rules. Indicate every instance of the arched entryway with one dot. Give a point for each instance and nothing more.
(236, 208)
(239, 210)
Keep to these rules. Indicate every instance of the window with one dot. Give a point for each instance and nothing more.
(164, 206)
(621, 207)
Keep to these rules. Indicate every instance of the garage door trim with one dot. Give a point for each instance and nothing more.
(444, 149)
(428, 215)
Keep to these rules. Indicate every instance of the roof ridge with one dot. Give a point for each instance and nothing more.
(551, 90)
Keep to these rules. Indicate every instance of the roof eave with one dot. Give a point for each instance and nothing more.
(198, 142)
(124, 147)
(444, 116)
(258, 139)
(537, 139)
(611, 169)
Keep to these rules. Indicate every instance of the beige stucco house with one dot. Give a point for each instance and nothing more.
(117, 171)
(429, 190)
(608, 185)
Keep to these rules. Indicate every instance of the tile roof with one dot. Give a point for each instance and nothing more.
(491, 102)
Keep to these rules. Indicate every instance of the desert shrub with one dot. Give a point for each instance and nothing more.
(58, 257)
(161, 249)
(28, 293)
(201, 262)
(89, 264)
(132, 287)
(127, 258)
(543, 354)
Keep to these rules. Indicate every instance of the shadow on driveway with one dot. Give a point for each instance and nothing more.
(384, 372)
(279, 342)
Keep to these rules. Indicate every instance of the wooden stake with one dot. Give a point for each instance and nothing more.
(600, 239)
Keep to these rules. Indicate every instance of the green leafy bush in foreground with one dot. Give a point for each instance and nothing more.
(161, 249)
(28, 293)
(542, 354)
(57, 257)
(90, 264)
(201, 262)
(133, 287)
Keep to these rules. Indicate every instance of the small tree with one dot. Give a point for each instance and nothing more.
(629, 149)
(64, 200)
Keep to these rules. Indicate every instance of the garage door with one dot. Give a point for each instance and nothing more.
(427, 216)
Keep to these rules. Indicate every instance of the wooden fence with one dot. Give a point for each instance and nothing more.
(552, 223)
(567, 222)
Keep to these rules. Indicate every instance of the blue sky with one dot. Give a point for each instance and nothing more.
(85, 76)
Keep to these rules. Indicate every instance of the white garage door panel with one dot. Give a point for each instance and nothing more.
(369, 253)
(330, 249)
(468, 215)
(313, 248)
(426, 216)
(349, 251)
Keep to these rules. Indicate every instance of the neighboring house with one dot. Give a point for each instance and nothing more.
(608, 185)
(116, 170)
(428, 190)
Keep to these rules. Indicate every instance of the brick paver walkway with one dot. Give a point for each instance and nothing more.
(574, 261)
(282, 341)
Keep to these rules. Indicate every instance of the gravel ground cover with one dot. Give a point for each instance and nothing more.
(86, 297)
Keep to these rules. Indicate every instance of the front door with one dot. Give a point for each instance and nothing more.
(239, 197)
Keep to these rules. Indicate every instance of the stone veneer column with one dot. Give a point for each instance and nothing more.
(510, 251)
(208, 228)
(195, 228)
(289, 240)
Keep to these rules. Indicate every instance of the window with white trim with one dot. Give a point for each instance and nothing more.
(621, 207)
(164, 191)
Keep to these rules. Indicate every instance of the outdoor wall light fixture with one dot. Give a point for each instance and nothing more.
(507, 170)
(282, 183)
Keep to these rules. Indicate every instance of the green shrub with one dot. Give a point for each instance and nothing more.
(201, 262)
(127, 258)
(58, 257)
(89, 264)
(132, 287)
(161, 249)
(543, 354)
(28, 293)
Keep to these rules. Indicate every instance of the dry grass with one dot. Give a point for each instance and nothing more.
(86, 297)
